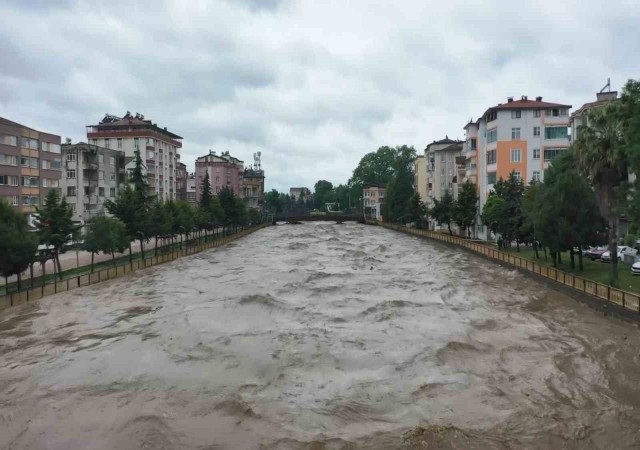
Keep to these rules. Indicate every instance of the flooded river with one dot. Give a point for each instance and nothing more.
(318, 336)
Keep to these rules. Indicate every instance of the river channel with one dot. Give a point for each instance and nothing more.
(318, 336)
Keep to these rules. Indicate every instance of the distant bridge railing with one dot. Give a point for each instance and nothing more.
(330, 217)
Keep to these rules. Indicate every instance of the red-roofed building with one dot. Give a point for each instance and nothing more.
(521, 136)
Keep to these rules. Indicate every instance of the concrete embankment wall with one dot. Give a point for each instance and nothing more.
(600, 296)
(54, 287)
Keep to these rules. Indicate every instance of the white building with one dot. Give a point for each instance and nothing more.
(373, 202)
(159, 148)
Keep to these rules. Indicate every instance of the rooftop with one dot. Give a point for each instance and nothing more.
(110, 121)
(525, 103)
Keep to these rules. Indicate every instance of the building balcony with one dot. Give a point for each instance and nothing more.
(471, 170)
(90, 165)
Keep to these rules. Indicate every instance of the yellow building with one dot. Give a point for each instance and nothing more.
(420, 177)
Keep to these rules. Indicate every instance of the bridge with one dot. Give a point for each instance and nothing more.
(299, 218)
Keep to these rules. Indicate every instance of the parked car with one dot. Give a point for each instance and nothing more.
(635, 268)
(595, 253)
(622, 250)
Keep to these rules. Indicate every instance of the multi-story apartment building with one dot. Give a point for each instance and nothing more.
(520, 136)
(296, 192)
(159, 148)
(420, 176)
(191, 188)
(253, 187)
(578, 118)
(181, 181)
(91, 175)
(30, 165)
(441, 168)
(470, 152)
(224, 171)
(373, 202)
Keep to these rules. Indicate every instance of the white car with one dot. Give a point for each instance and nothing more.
(635, 268)
(622, 250)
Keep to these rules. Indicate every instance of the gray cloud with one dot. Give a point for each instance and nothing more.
(313, 85)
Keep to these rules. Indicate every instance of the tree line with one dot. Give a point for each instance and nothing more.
(135, 215)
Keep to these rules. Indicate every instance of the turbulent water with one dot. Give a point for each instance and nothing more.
(318, 336)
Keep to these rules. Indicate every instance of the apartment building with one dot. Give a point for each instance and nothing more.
(296, 192)
(159, 148)
(253, 187)
(420, 176)
(521, 136)
(224, 171)
(191, 189)
(91, 176)
(30, 165)
(181, 181)
(441, 168)
(470, 151)
(578, 118)
(373, 202)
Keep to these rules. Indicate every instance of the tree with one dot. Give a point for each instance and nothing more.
(375, 168)
(205, 196)
(159, 223)
(322, 190)
(107, 235)
(54, 224)
(466, 208)
(532, 201)
(18, 246)
(400, 187)
(272, 202)
(227, 201)
(600, 153)
(505, 217)
(444, 209)
(417, 210)
(493, 213)
(131, 207)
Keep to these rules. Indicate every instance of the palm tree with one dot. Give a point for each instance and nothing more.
(600, 153)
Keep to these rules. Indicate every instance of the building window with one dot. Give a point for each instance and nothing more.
(30, 200)
(71, 173)
(71, 191)
(515, 134)
(49, 183)
(112, 161)
(107, 143)
(29, 143)
(136, 143)
(516, 114)
(87, 190)
(113, 176)
(536, 113)
(55, 148)
(94, 142)
(101, 159)
(536, 153)
(112, 192)
(56, 164)
(119, 141)
(13, 200)
(100, 192)
(491, 157)
(536, 175)
(491, 178)
(71, 156)
(516, 155)
(536, 131)
(556, 133)
(492, 136)
(9, 160)
(517, 175)
(9, 140)
(29, 162)
(150, 154)
(551, 152)
(30, 181)
(101, 175)
(493, 115)
(558, 112)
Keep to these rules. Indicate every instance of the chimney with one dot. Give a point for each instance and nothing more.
(509, 99)
(538, 99)
(607, 96)
(524, 97)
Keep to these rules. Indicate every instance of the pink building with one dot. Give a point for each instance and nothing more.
(224, 170)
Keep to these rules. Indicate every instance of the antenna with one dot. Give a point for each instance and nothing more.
(607, 86)
(256, 160)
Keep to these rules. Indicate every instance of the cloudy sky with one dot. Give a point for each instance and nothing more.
(313, 85)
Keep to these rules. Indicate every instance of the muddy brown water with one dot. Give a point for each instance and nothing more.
(318, 336)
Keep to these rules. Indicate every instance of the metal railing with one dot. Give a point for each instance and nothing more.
(166, 253)
(625, 299)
